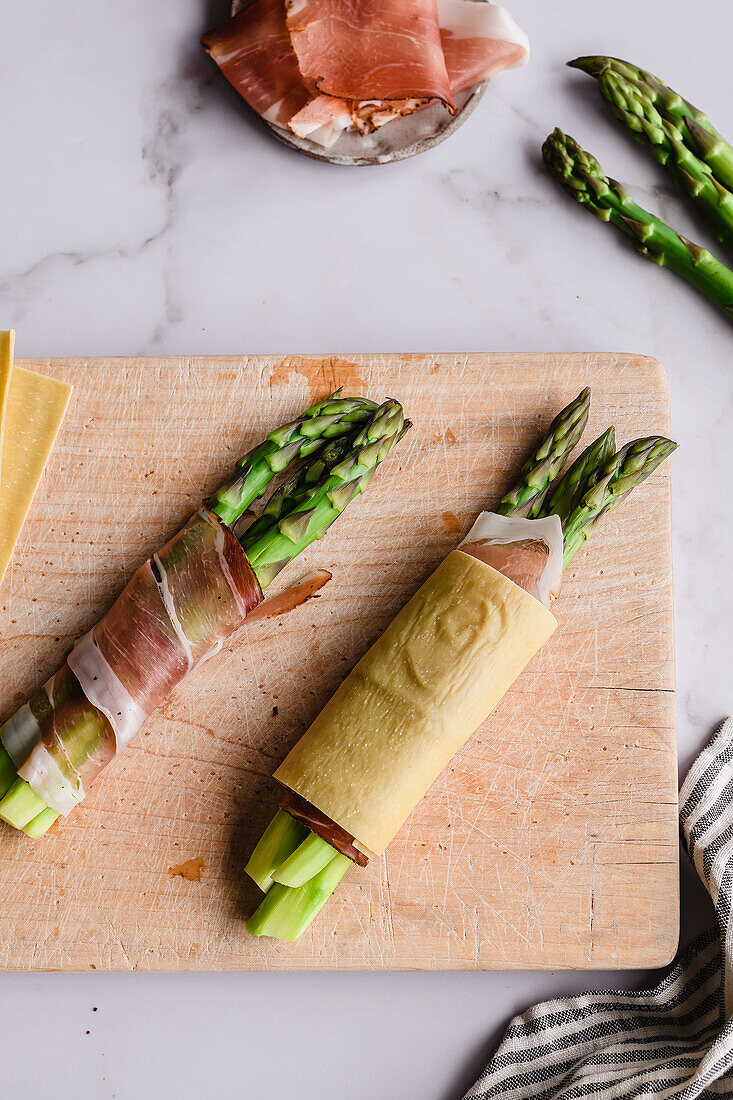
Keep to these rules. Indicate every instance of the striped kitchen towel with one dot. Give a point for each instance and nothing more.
(675, 1040)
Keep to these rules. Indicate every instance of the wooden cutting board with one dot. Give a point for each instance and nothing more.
(550, 841)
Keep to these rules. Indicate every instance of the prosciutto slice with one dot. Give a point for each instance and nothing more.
(527, 551)
(370, 49)
(322, 120)
(319, 67)
(320, 824)
(59, 742)
(255, 54)
(174, 613)
(479, 41)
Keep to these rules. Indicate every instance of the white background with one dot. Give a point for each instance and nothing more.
(143, 212)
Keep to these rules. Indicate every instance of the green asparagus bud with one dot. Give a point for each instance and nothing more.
(318, 507)
(612, 483)
(293, 492)
(666, 140)
(538, 473)
(329, 419)
(570, 489)
(583, 178)
(697, 130)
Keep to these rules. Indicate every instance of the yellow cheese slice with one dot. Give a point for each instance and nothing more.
(7, 344)
(33, 414)
(415, 698)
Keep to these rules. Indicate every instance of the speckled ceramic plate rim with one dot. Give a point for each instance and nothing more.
(445, 125)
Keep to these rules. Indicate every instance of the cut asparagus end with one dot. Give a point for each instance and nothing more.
(285, 912)
(20, 805)
(40, 824)
(280, 839)
(305, 862)
(8, 774)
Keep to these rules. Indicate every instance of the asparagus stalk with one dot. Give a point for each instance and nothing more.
(253, 473)
(307, 860)
(541, 469)
(285, 911)
(23, 801)
(666, 140)
(280, 839)
(21, 805)
(294, 491)
(315, 510)
(583, 178)
(40, 825)
(598, 481)
(696, 129)
(569, 490)
(610, 484)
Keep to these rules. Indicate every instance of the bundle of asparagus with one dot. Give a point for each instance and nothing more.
(684, 141)
(436, 673)
(180, 605)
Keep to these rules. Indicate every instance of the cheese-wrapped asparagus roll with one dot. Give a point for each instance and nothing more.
(435, 674)
(420, 692)
(181, 604)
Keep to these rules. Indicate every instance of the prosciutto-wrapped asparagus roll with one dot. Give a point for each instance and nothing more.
(436, 673)
(181, 604)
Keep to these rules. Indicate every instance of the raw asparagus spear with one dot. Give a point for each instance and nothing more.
(569, 490)
(611, 483)
(666, 139)
(21, 805)
(325, 420)
(583, 178)
(696, 129)
(317, 508)
(286, 911)
(39, 825)
(293, 492)
(307, 860)
(538, 473)
(280, 839)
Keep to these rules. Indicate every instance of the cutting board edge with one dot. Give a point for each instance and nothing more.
(657, 371)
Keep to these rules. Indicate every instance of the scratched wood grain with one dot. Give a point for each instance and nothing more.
(550, 841)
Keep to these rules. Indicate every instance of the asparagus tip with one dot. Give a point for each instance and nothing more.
(592, 64)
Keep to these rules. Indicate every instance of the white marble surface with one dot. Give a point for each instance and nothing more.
(143, 212)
